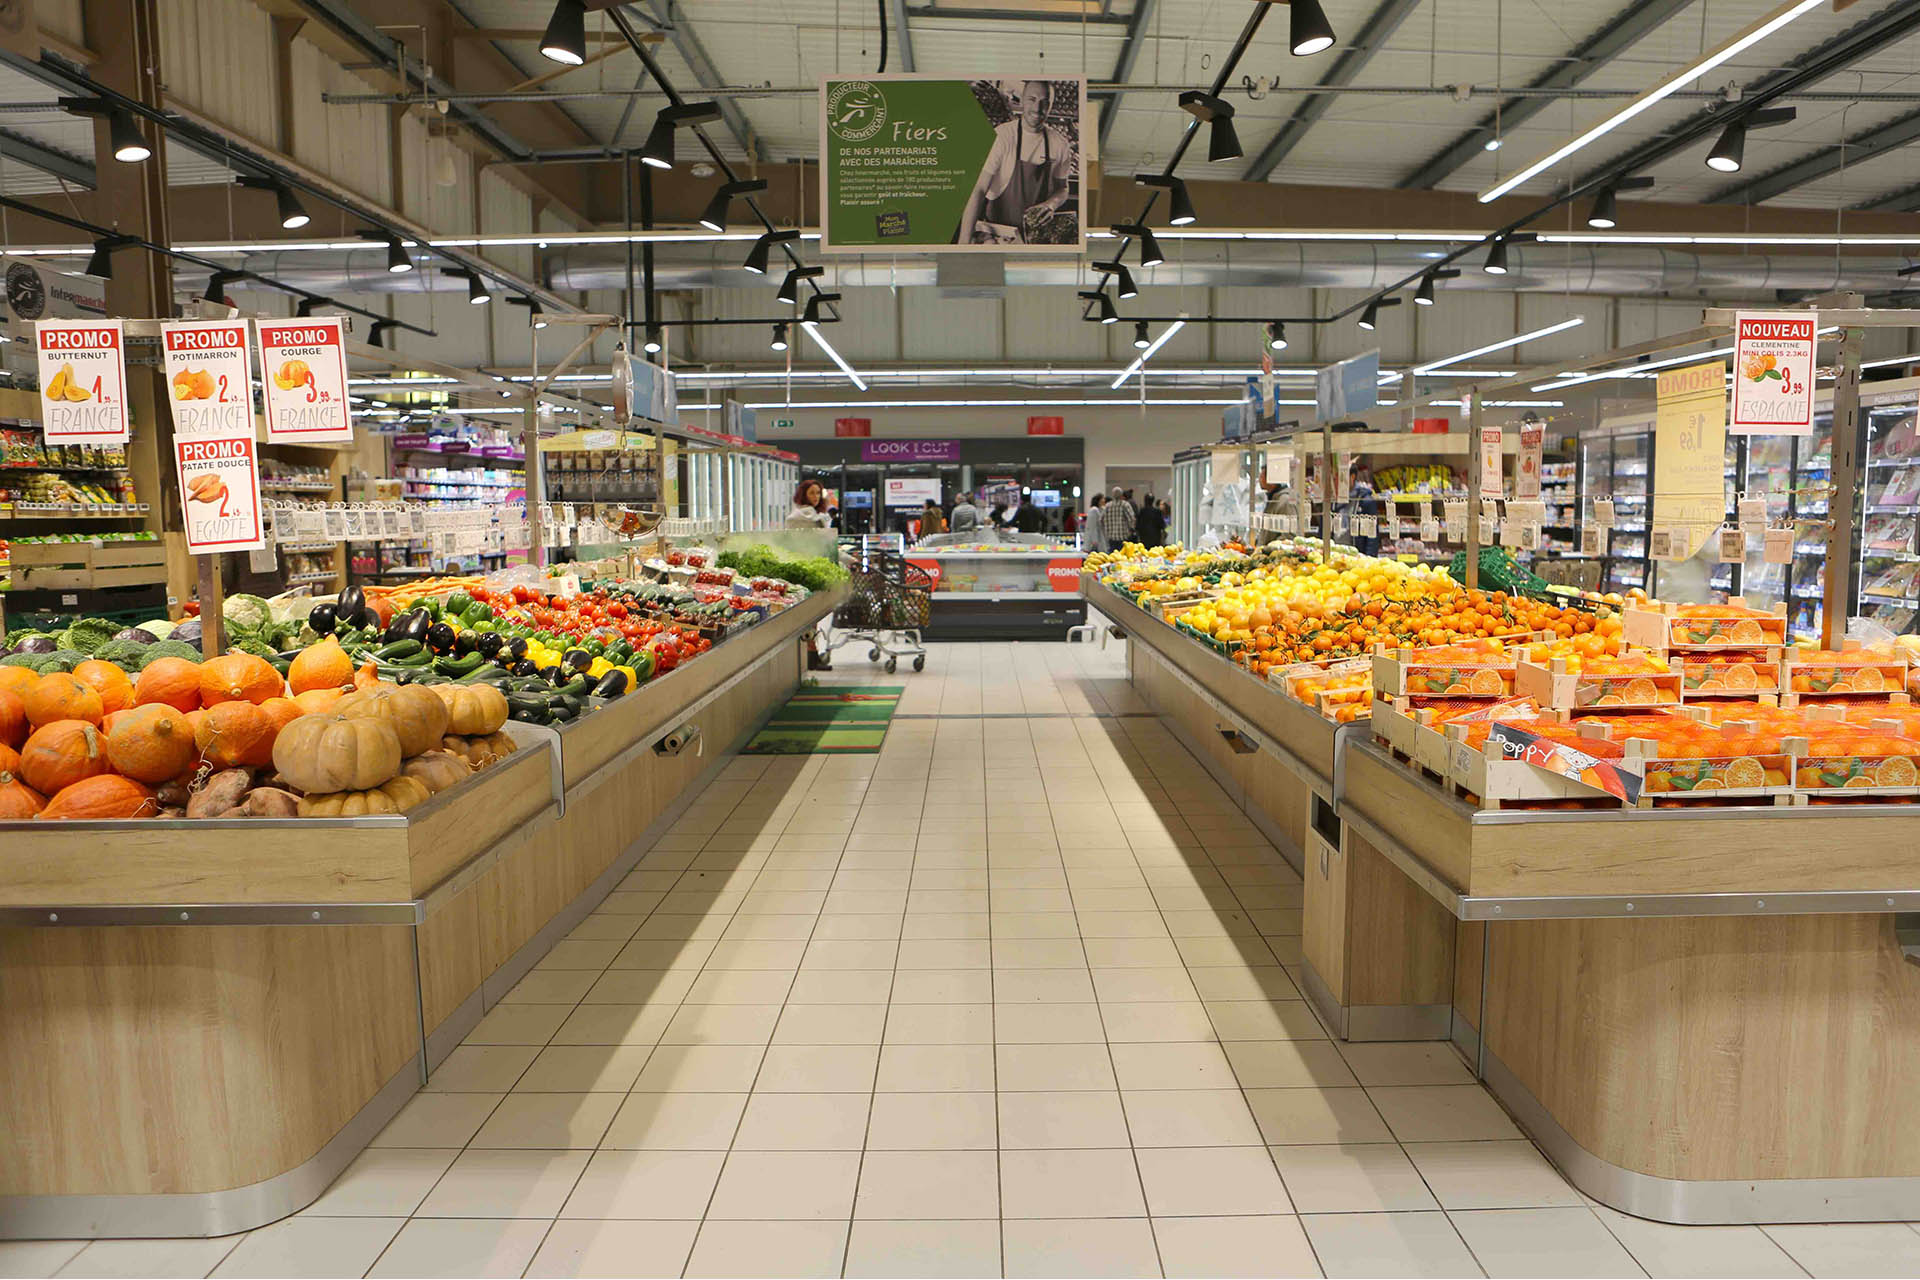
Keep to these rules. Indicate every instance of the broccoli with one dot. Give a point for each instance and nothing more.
(172, 649)
(128, 655)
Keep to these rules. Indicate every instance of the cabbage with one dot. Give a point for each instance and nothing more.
(159, 628)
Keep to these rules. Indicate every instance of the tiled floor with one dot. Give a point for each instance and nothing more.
(1014, 996)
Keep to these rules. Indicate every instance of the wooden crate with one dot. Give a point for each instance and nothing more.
(1395, 670)
(1556, 687)
(1653, 629)
(1411, 732)
(1892, 672)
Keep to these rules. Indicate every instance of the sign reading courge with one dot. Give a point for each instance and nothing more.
(304, 371)
(934, 164)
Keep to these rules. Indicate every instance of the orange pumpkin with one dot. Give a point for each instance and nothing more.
(239, 677)
(321, 666)
(17, 799)
(18, 680)
(174, 681)
(61, 754)
(107, 796)
(107, 680)
(317, 702)
(281, 712)
(14, 725)
(9, 759)
(153, 743)
(60, 696)
(236, 734)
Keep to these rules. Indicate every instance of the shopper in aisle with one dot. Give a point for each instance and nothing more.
(1150, 527)
(1093, 538)
(809, 507)
(931, 521)
(966, 516)
(1363, 504)
(1029, 518)
(1117, 518)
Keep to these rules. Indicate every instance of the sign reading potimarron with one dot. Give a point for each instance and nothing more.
(935, 164)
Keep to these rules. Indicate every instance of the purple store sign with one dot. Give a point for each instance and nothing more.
(909, 451)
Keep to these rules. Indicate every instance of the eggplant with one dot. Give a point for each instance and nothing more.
(440, 638)
(524, 667)
(368, 620)
(517, 646)
(611, 685)
(411, 625)
(353, 601)
(134, 635)
(488, 642)
(576, 659)
(558, 674)
(466, 642)
(187, 632)
(324, 618)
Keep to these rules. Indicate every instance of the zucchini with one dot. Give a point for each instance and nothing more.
(461, 666)
(397, 649)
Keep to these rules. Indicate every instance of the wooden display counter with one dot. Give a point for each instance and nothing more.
(1703, 1016)
(201, 1024)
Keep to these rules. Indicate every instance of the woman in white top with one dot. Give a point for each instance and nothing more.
(809, 507)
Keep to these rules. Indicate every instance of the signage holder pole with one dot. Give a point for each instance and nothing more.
(1849, 440)
(1473, 491)
(1326, 493)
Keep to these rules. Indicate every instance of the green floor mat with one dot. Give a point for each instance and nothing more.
(838, 720)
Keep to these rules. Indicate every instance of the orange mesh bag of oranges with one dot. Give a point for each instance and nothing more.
(1680, 755)
(1736, 672)
(1819, 671)
(1839, 756)
(1725, 625)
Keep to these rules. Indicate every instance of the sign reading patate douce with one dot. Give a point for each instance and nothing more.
(919, 162)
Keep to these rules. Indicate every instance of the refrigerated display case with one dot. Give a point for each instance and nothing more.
(1012, 586)
(1887, 575)
(1616, 466)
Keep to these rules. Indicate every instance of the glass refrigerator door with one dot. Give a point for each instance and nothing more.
(1812, 473)
(1725, 579)
(1769, 475)
(1627, 553)
(1888, 581)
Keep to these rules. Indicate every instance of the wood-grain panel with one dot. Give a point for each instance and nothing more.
(1400, 941)
(1323, 915)
(163, 1060)
(471, 819)
(1413, 813)
(1725, 1048)
(1467, 940)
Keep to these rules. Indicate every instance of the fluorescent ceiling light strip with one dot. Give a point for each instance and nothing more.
(819, 340)
(1753, 35)
(1111, 402)
(1810, 241)
(1503, 344)
(1650, 367)
(1892, 360)
(1140, 360)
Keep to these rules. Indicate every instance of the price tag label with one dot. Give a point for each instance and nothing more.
(303, 367)
(1454, 511)
(1489, 511)
(1510, 535)
(1456, 529)
(1591, 538)
(1753, 516)
(1365, 526)
(1666, 544)
(1603, 512)
(1429, 529)
(334, 523)
(392, 521)
(417, 519)
(264, 559)
(1733, 545)
(1777, 546)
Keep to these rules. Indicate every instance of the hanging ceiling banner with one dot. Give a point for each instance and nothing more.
(83, 381)
(303, 366)
(1773, 373)
(939, 165)
(1689, 455)
(1351, 386)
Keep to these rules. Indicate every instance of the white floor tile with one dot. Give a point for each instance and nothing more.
(1272, 1245)
(1664, 1249)
(588, 1248)
(301, 1246)
(1211, 1182)
(1106, 1247)
(955, 1248)
(1389, 1244)
(1543, 1242)
(928, 1184)
(1851, 1249)
(758, 1249)
(155, 1257)
(465, 1247)
(505, 1184)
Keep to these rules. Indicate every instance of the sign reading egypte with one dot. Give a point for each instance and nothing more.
(208, 365)
(83, 381)
(303, 364)
(963, 165)
(1773, 373)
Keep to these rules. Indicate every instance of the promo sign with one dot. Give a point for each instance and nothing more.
(1045, 425)
(1526, 473)
(1064, 576)
(303, 366)
(943, 165)
(1773, 373)
(83, 381)
(853, 428)
(1689, 455)
(1490, 477)
(210, 382)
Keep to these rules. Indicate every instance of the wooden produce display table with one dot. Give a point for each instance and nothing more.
(202, 1023)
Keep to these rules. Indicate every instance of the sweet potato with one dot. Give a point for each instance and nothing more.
(221, 792)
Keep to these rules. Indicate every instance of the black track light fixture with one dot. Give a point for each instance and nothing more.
(1605, 214)
(100, 262)
(534, 311)
(779, 342)
(377, 332)
(1276, 336)
(1423, 297)
(1123, 278)
(1104, 310)
(790, 286)
(1140, 339)
(657, 151)
(565, 40)
(656, 339)
(1308, 31)
(763, 249)
(1729, 152)
(1150, 255)
(478, 293)
(128, 146)
(1370, 318)
(217, 283)
(304, 307)
(293, 214)
(715, 218)
(1222, 143)
(816, 308)
(398, 260)
(1181, 204)
(1496, 264)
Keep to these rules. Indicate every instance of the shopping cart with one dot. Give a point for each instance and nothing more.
(890, 604)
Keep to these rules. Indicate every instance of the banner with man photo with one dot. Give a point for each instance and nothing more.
(919, 162)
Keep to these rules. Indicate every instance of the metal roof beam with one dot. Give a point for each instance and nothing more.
(902, 33)
(660, 13)
(1092, 17)
(1123, 65)
(1614, 37)
(1905, 200)
(1811, 168)
(1378, 29)
(48, 160)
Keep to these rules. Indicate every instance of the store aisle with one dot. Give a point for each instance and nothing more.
(1013, 996)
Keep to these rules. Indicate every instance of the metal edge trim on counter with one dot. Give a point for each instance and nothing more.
(182, 1215)
(1702, 1202)
(1373, 1023)
(215, 913)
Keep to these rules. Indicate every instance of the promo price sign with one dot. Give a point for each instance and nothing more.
(220, 490)
(83, 381)
(303, 366)
(208, 364)
(1491, 480)
(1526, 475)
(1773, 373)
(1063, 576)
(1689, 454)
